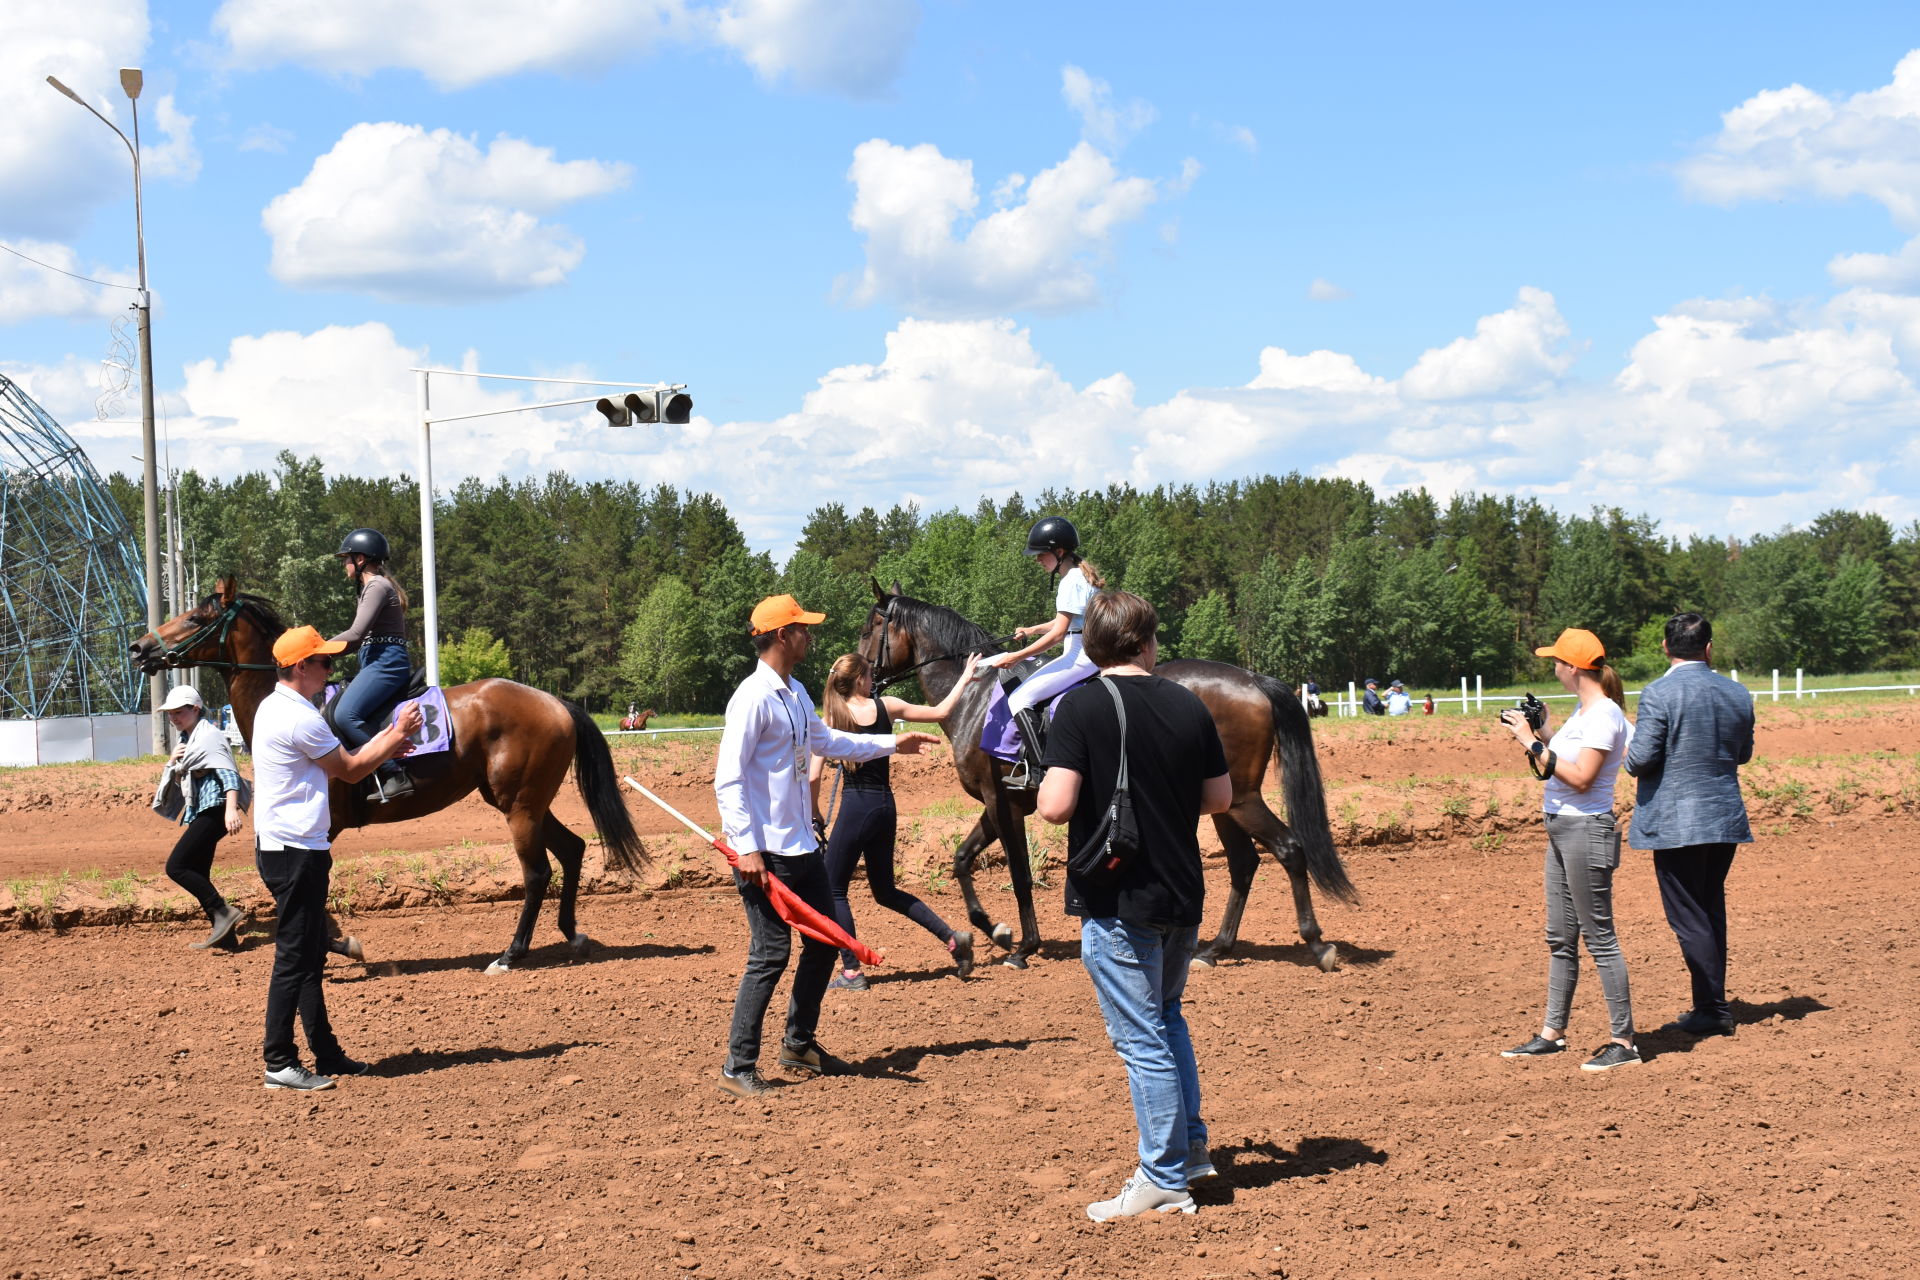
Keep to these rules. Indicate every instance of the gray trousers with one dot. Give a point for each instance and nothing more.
(1583, 851)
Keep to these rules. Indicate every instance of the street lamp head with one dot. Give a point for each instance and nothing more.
(62, 88)
(130, 80)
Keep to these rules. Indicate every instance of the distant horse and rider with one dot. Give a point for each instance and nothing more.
(511, 743)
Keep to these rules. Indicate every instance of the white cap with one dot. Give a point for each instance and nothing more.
(183, 695)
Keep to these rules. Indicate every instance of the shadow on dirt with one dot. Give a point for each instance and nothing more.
(418, 1061)
(1745, 1014)
(1251, 1165)
(1297, 953)
(899, 1064)
(539, 958)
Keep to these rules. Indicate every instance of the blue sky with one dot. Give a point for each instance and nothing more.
(1518, 250)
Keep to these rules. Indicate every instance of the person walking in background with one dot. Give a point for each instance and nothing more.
(760, 784)
(1398, 703)
(1695, 731)
(1580, 764)
(865, 827)
(1138, 930)
(1426, 704)
(294, 756)
(213, 794)
(1370, 703)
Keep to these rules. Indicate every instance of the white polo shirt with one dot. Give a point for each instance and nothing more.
(760, 779)
(289, 787)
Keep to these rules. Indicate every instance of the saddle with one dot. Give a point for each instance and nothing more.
(330, 697)
(1000, 731)
(430, 757)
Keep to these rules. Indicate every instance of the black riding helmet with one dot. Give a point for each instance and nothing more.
(1055, 534)
(370, 543)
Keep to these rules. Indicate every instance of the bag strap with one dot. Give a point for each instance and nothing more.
(1120, 709)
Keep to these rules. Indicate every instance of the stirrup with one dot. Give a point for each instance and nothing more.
(391, 784)
(1020, 777)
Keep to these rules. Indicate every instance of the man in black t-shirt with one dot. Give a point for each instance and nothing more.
(1139, 931)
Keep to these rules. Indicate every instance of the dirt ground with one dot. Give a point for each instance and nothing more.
(561, 1120)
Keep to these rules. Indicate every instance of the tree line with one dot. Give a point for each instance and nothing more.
(610, 593)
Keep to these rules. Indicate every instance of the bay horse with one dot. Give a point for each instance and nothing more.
(511, 743)
(1254, 714)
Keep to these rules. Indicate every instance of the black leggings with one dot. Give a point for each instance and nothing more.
(864, 828)
(192, 858)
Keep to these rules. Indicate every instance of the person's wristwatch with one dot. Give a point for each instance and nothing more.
(1537, 749)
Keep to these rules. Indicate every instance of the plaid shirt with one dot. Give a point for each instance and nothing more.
(208, 788)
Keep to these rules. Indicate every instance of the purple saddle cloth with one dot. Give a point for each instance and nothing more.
(1000, 732)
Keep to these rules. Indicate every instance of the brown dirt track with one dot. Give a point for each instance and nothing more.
(561, 1121)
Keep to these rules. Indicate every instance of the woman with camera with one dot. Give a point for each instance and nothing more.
(1579, 764)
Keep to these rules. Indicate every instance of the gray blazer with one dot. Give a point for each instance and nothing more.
(1694, 731)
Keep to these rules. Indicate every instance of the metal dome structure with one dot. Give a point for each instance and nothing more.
(71, 586)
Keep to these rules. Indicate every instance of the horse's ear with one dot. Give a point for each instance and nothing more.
(898, 589)
(226, 588)
(879, 592)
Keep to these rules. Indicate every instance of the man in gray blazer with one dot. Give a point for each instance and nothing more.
(1694, 731)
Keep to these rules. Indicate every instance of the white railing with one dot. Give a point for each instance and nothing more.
(1469, 703)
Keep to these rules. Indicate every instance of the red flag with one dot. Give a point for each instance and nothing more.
(786, 902)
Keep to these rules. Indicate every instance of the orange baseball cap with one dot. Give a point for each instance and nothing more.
(301, 643)
(1576, 648)
(776, 612)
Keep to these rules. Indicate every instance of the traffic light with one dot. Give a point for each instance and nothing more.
(671, 405)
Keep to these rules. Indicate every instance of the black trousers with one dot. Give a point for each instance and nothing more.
(1693, 889)
(768, 949)
(864, 829)
(297, 878)
(192, 858)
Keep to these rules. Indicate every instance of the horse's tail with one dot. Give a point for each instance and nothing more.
(1306, 797)
(600, 788)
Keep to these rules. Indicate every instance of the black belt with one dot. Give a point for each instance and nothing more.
(400, 640)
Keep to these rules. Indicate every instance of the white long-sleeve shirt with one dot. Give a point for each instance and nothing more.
(760, 780)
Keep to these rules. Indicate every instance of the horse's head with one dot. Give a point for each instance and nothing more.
(213, 632)
(884, 642)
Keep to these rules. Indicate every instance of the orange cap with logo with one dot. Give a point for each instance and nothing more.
(1576, 648)
(776, 612)
(301, 643)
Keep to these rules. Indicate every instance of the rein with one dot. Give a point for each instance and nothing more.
(882, 682)
(174, 655)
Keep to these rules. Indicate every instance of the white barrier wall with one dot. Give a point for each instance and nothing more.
(66, 739)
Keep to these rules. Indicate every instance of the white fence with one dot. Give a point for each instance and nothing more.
(1480, 700)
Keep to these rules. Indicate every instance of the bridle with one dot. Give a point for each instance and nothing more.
(882, 678)
(216, 629)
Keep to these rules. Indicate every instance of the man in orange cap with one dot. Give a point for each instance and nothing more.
(294, 755)
(766, 813)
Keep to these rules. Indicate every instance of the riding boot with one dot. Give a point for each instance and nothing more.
(390, 783)
(1033, 742)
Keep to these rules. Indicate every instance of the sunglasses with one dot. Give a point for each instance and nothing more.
(325, 660)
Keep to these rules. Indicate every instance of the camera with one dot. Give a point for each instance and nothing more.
(1533, 709)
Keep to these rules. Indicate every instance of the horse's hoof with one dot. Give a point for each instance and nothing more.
(1003, 936)
(1202, 962)
(1329, 958)
(1014, 961)
(581, 944)
(497, 968)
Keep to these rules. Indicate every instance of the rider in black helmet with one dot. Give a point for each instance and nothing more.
(379, 633)
(1055, 543)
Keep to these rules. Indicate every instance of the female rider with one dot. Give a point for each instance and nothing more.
(1055, 543)
(866, 822)
(204, 763)
(379, 632)
(1579, 765)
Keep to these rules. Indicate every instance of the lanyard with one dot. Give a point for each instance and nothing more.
(799, 742)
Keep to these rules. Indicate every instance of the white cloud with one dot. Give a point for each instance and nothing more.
(57, 163)
(1103, 122)
(265, 137)
(401, 213)
(1326, 291)
(852, 47)
(454, 43)
(29, 292)
(1041, 251)
(1512, 352)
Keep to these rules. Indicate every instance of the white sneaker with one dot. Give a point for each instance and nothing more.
(1141, 1196)
(1200, 1164)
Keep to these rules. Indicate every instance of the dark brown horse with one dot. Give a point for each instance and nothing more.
(511, 743)
(1254, 714)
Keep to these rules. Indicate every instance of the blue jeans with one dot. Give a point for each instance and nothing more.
(1140, 972)
(383, 677)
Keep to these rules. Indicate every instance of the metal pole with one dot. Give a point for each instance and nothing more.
(429, 579)
(156, 686)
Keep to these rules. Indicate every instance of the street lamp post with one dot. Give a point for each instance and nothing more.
(130, 82)
(674, 406)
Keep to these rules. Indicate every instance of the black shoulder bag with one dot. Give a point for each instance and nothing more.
(1116, 842)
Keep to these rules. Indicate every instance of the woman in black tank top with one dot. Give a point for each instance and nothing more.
(864, 827)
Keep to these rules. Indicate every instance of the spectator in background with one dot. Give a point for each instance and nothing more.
(213, 795)
(1370, 703)
(1695, 731)
(1398, 703)
(1427, 704)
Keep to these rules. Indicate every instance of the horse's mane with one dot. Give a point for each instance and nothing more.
(945, 631)
(266, 614)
